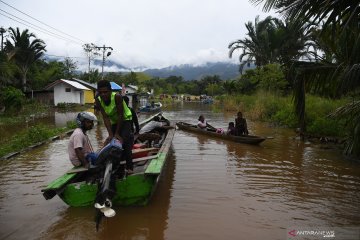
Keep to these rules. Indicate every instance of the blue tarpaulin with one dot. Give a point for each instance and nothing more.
(115, 86)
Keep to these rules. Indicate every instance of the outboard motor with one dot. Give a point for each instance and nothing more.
(108, 159)
(111, 152)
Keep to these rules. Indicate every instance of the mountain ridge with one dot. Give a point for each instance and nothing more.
(225, 70)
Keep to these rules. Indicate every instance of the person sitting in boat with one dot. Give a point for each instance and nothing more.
(80, 150)
(117, 119)
(241, 125)
(152, 130)
(231, 129)
(202, 124)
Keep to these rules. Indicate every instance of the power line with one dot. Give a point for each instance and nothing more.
(37, 27)
(42, 22)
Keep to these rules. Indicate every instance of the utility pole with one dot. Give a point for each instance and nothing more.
(104, 48)
(2, 31)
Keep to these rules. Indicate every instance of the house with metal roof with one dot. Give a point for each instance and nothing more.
(89, 95)
(67, 91)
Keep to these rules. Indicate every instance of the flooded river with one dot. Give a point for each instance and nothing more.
(212, 189)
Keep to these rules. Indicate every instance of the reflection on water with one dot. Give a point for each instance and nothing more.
(212, 189)
(61, 118)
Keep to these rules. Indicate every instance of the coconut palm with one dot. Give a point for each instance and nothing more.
(24, 49)
(272, 41)
(255, 47)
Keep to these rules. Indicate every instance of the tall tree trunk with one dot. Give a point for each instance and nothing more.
(23, 78)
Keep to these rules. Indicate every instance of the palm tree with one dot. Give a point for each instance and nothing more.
(271, 41)
(24, 51)
(229, 86)
(255, 48)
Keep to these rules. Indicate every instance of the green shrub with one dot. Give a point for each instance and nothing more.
(12, 98)
(71, 124)
(324, 126)
(285, 116)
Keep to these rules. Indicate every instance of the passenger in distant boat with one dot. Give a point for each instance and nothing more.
(231, 129)
(135, 122)
(80, 150)
(117, 119)
(241, 125)
(152, 130)
(202, 124)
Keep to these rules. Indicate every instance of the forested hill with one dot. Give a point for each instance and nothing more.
(190, 72)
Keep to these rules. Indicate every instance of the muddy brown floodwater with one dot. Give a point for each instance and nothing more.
(212, 189)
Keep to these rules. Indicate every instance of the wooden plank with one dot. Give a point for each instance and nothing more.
(141, 150)
(59, 182)
(77, 169)
(141, 159)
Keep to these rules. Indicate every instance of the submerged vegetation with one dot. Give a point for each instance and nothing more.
(30, 136)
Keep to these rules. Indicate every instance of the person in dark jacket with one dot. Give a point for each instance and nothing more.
(135, 121)
(241, 125)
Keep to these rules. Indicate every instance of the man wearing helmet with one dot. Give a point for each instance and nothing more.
(79, 146)
(117, 119)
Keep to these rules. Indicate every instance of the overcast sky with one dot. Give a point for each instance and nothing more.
(151, 33)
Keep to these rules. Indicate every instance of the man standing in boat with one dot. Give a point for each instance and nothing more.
(117, 119)
(80, 150)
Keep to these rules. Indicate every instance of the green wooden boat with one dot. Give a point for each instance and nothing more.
(248, 139)
(77, 188)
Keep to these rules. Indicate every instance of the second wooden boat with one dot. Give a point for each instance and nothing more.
(248, 139)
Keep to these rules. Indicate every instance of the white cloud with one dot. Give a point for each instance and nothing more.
(153, 33)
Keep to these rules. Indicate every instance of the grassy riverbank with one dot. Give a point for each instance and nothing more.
(279, 111)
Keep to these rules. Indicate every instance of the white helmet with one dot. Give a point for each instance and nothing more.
(84, 115)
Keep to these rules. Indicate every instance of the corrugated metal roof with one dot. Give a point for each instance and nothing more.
(86, 84)
(69, 82)
(115, 86)
(75, 84)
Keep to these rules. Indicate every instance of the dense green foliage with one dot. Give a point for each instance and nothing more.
(325, 32)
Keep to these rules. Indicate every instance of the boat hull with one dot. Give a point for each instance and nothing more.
(75, 189)
(248, 139)
(133, 190)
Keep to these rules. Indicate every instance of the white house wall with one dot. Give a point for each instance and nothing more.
(61, 96)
